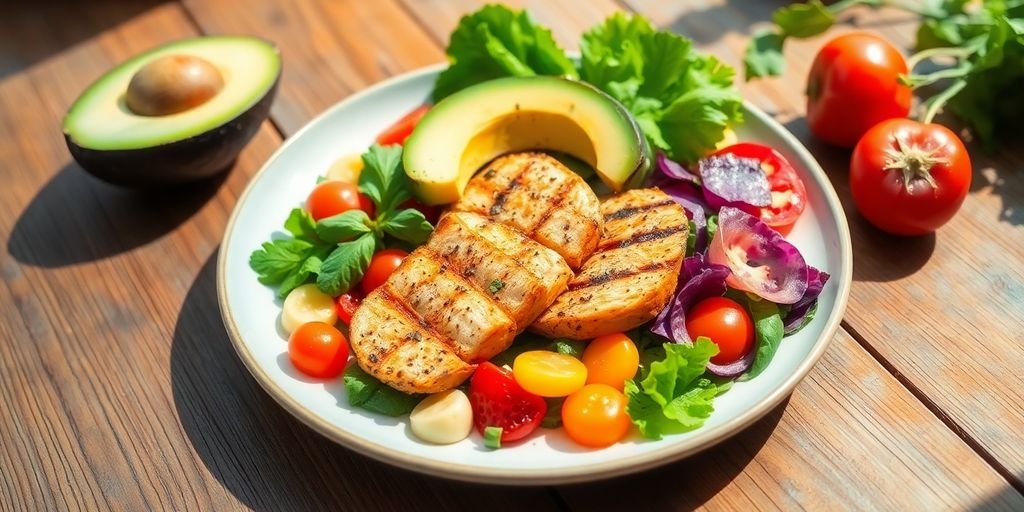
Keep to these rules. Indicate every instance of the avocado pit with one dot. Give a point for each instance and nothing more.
(172, 84)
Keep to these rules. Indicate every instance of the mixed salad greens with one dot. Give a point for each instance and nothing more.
(742, 288)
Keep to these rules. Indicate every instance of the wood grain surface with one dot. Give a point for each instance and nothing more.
(119, 389)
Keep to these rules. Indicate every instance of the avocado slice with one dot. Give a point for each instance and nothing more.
(161, 145)
(479, 123)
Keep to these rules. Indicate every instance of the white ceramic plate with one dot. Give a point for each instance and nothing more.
(250, 313)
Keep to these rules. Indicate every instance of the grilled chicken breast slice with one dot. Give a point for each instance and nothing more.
(391, 344)
(455, 301)
(521, 275)
(540, 197)
(632, 275)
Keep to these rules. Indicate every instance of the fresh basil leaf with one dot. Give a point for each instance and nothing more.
(300, 224)
(768, 333)
(496, 42)
(368, 393)
(277, 259)
(343, 226)
(346, 265)
(764, 55)
(804, 19)
(383, 178)
(409, 225)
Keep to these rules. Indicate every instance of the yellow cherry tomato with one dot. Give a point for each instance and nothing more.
(595, 416)
(611, 359)
(549, 374)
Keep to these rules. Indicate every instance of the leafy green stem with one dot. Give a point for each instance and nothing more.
(931, 53)
(916, 81)
(935, 103)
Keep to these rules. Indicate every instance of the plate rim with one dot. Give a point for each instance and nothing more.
(544, 476)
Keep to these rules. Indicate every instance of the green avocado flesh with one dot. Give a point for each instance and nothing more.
(99, 120)
(473, 126)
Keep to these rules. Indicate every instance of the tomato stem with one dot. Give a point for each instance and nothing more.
(931, 53)
(935, 103)
(842, 5)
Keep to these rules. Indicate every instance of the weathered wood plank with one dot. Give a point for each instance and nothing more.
(119, 388)
(817, 440)
(945, 310)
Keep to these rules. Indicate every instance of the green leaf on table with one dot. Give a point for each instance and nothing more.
(343, 226)
(804, 19)
(366, 392)
(764, 55)
(409, 225)
(346, 264)
(496, 42)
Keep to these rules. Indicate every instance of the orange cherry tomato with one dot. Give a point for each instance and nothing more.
(728, 325)
(318, 350)
(381, 267)
(549, 374)
(611, 359)
(596, 416)
(333, 197)
(398, 132)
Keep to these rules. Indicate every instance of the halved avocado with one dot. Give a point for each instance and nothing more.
(175, 114)
(477, 124)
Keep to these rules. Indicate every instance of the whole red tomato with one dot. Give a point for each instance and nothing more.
(383, 264)
(853, 85)
(909, 178)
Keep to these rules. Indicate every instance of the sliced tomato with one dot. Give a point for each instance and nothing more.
(499, 401)
(398, 132)
(789, 196)
(345, 305)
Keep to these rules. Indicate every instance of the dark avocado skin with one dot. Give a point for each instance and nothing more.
(183, 161)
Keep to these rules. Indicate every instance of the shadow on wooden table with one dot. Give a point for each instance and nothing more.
(269, 460)
(895, 257)
(30, 33)
(76, 218)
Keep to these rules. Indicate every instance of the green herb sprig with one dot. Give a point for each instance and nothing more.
(336, 251)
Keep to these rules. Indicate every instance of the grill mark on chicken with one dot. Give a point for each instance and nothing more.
(449, 264)
(399, 305)
(629, 211)
(613, 275)
(554, 205)
(639, 238)
(501, 197)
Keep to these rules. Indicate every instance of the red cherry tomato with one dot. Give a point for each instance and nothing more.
(728, 325)
(318, 350)
(345, 305)
(909, 178)
(789, 196)
(398, 132)
(333, 197)
(498, 401)
(430, 212)
(853, 85)
(381, 267)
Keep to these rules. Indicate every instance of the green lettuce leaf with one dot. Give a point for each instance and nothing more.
(496, 42)
(682, 100)
(674, 396)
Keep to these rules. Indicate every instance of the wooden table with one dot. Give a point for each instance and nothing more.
(119, 388)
